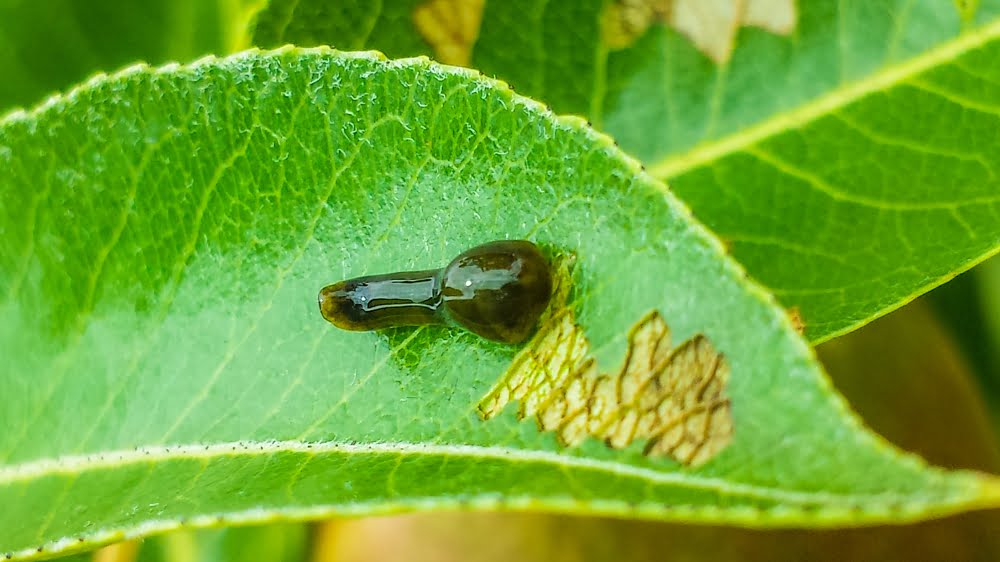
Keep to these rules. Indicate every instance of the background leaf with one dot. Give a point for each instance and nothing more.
(161, 262)
(287, 542)
(988, 284)
(823, 158)
(968, 306)
(50, 45)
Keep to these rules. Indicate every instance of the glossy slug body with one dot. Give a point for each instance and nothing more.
(409, 298)
(497, 290)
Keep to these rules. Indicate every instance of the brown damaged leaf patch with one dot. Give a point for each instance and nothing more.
(672, 397)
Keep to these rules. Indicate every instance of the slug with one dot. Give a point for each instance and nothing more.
(497, 290)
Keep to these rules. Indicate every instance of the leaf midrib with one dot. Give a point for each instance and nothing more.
(75, 464)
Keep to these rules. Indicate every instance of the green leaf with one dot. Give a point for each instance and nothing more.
(903, 203)
(48, 46)
(279, 542)
(987, 282)
(164, 235)
(967, 306)
(823, 158)
(346, 25)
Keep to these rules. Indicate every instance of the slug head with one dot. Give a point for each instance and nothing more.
(498, 290)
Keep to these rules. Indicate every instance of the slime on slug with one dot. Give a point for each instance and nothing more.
(497, 290)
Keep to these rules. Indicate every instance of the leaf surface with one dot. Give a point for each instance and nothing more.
(164, 236)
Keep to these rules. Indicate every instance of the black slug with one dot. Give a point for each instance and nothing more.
(497, 290)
